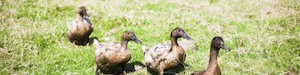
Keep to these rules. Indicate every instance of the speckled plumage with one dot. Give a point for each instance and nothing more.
(80, 28)
(163, 56)
(110, 57)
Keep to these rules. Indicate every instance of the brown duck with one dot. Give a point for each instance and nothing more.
(111, 57)
(80, 28)
(164, 57)
(213, 67)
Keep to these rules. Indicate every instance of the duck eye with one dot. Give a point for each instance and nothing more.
(128, 33)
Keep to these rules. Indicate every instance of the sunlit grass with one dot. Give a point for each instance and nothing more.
(264, 35)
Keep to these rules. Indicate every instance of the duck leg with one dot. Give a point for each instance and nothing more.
(73, 43)
(123, 69)
(87, 44)
(161, 72)
(97, 71)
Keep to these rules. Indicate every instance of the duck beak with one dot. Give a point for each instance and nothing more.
(137, 41)
(225, 48)
(85, 13)
(187, 37)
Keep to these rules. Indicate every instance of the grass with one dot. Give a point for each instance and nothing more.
(264, 35)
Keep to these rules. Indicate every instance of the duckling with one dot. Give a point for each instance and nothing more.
(81, 28)
(110, 57)
(213, 67)
(164, 57)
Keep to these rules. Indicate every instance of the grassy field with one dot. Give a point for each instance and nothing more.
(263, 34)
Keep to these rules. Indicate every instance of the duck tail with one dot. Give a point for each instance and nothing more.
(145, 49)
(96, 44)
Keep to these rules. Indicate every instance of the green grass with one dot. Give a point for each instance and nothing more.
(264, 35)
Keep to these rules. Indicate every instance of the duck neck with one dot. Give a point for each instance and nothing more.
(124, 44)
(213, 60)
(174, 41)
(80, 17)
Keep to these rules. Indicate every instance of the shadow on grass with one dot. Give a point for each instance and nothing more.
(130, 67)
(171, 71)
(91, 40)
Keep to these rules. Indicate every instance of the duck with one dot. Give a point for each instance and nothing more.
(111, 57)
(217, 43)
(164, 57)
(80, 28)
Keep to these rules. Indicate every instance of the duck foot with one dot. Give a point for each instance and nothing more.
(97, 71)
(123, 70)
(87, 44)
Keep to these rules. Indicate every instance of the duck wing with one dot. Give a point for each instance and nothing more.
(85, 27)
(155, 53)
(109, 49)
(72, 27)
(97, 47)
(79, 30)
(185, 44)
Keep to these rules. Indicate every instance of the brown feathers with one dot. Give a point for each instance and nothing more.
(213, 67)
(110, 57)
(80, 29)
(164, 57)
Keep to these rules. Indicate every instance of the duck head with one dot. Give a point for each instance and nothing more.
(179, 33)
(130, 36)
(82, 11)
(218, 43)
